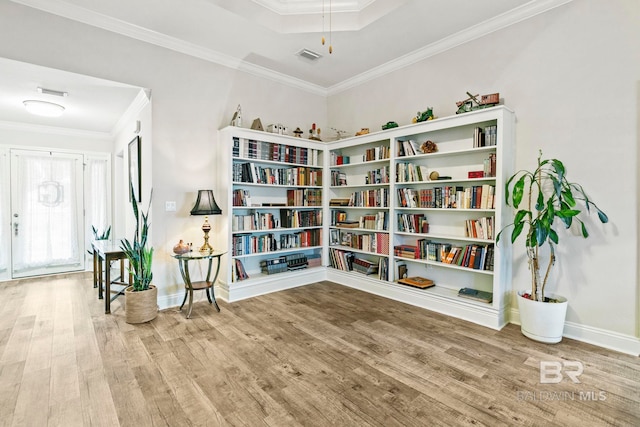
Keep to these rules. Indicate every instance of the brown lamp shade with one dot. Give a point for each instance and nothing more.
(206, 204)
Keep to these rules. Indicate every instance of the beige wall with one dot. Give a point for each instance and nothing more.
(571, 75)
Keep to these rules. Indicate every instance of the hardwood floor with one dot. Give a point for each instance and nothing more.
(318, 355)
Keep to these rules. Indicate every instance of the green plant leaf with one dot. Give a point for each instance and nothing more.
(568, 197)
(603, 216)
(585, 233)
(542, 231)
(553, 236)
(517, 229)
(518, 191)
(540, 201)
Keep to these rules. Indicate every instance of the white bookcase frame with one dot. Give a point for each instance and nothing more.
(455, 156)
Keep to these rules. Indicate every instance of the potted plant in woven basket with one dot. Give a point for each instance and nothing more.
(141, 298)
(549, 200)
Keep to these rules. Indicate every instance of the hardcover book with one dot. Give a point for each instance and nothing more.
(476, 294)
(417, 282)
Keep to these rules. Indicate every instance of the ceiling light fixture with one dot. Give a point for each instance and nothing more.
(330, 45)
(43, 108)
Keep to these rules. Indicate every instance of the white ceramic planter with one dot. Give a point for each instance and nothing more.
(542, 321)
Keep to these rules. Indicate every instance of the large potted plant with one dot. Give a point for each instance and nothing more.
(549, 200)
(141, 297)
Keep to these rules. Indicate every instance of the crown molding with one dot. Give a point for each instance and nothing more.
(66, 10)
(133, 111)
(54, 130)
(526, 11)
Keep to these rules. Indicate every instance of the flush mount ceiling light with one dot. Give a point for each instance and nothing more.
(43, 108)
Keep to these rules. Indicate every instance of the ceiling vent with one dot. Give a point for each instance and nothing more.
(52, 92)
(309, 54)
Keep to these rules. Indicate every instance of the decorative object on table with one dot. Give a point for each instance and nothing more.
(257, 124)
(135, 171)
(237, 117)
(141, 298)
(181, 247)
(206, 205)
(362, 131)
(473, 103)
(314, 133)
(97, 235)
(389, 125)
(428, 147)
(424, 115)
(549, 196)
(278, 128)
(298, 132)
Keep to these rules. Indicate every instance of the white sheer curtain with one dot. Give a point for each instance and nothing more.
(97, 195)
(48, 214)
(5, 221)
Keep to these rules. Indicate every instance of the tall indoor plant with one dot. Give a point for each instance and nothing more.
(549, 200)
(141, 297)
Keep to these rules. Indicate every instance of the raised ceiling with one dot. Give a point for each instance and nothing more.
(369, 38)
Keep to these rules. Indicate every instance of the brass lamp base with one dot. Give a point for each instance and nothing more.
(206, 227)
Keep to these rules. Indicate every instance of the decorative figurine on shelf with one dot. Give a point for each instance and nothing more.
(181, 248)
(279, 128)
(424, 116)
(472, 103)
(237, 117)
(339, 133)
(389, 125)
(298, 132)
(362, 131)
(314, 133)
(257, 124)
(428, 147)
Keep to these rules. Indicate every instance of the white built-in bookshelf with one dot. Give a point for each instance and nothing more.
(374, 206)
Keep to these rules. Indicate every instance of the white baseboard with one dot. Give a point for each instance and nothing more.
(627, 344)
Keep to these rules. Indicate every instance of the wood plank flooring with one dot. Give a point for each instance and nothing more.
(318, 355)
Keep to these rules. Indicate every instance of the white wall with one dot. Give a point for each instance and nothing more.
(572, 77)
(191, 100)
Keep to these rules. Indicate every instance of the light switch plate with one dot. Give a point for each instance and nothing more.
(170, 206)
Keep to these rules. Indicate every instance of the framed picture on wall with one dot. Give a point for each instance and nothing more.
(135, 172)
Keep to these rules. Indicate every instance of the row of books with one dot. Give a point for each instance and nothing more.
(256, 174)
(485, 137)
(448, 197)
(481, 228)
(261, 150)
(377, 221)
(412, 223)
(338, 178)
(347, 261)
(377, 176)
(408, 147)
(304, 197)
(237, 271)
(478, 257)
(288, 218)
(284, 263)
(370, 154)
(370, 198)
(371, 242)
(245, 244)
(410, 172)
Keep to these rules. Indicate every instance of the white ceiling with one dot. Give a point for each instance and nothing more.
(369, 38)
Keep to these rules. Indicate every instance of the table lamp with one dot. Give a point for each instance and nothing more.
(206, 205)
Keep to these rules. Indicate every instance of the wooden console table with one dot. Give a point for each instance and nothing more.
(104, 253)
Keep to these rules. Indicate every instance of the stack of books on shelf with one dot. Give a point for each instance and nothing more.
(364, 266)
(416, 282)
(314, 260)
(339, 202)
(256, 174)
(481, 228)
(304, 197)
(485, 137)
(370, 198)
(407, 251)
(371, 242)
(348, 223)
(296, 261)
(448, 197)
(292, 218)
(377, 221)
(274, 265)
(475, 294)
(376, 153)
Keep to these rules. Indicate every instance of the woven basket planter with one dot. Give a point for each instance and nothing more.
(141, 306)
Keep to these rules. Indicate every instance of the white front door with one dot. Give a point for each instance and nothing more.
(46, 213)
